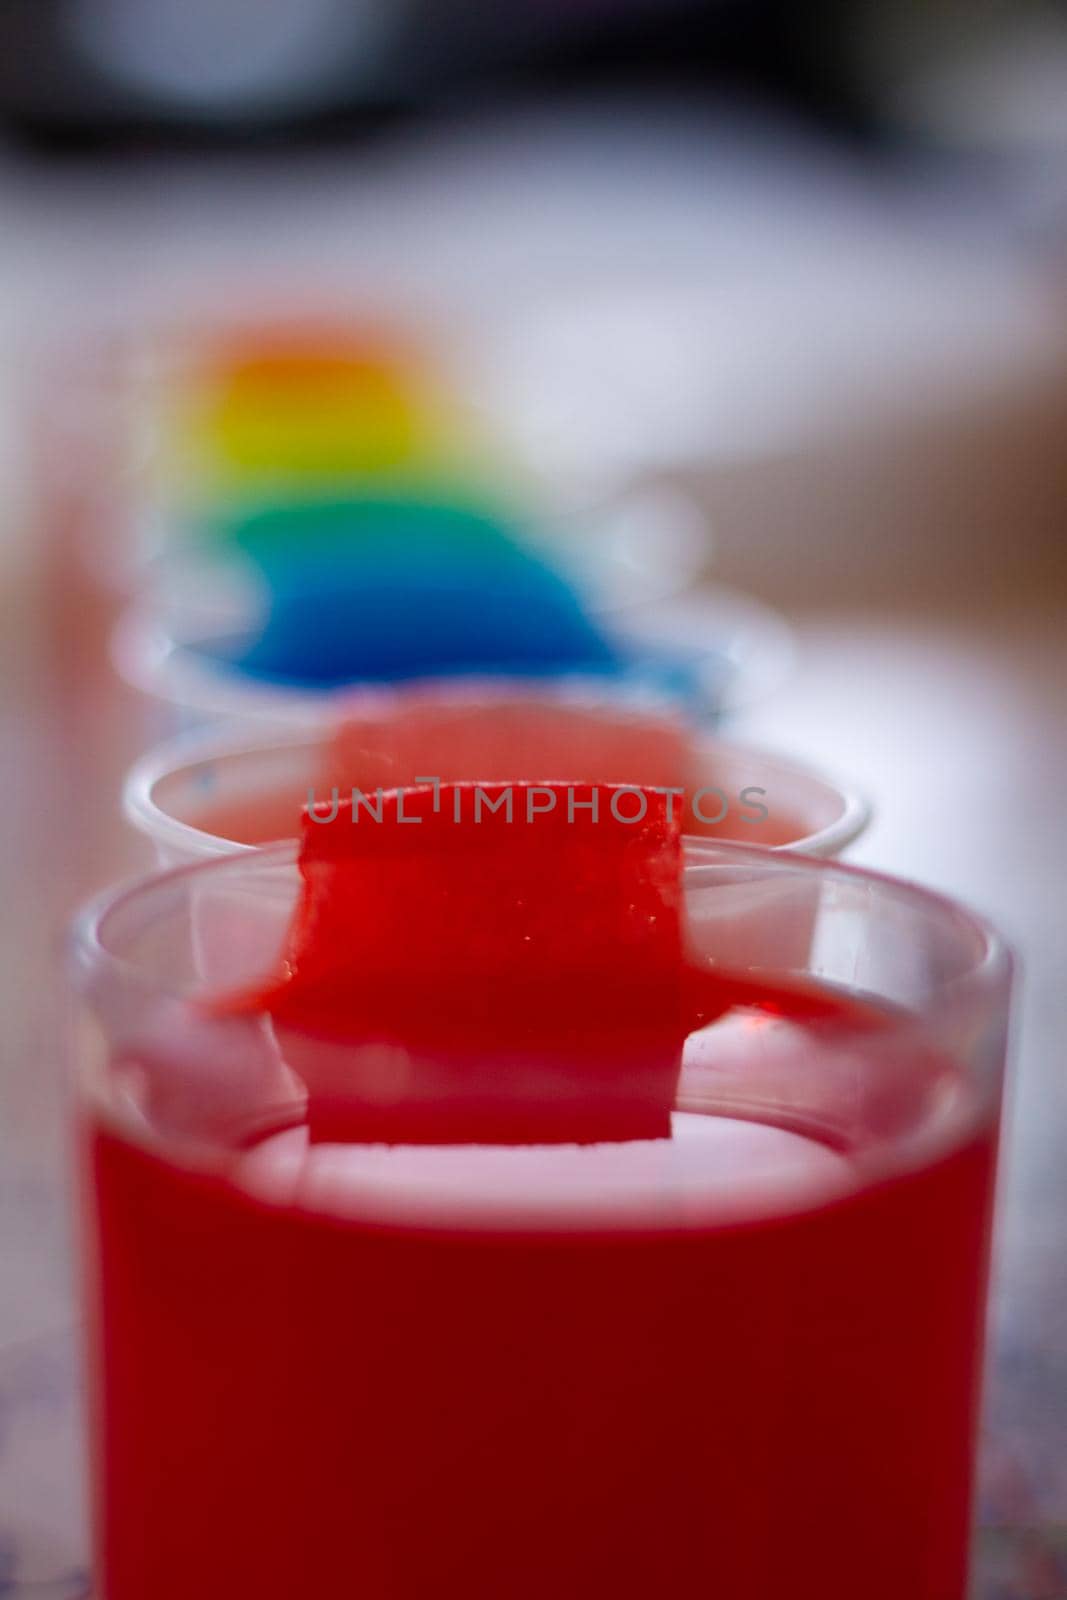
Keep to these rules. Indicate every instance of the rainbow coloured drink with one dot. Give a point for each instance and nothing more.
(740, 1361)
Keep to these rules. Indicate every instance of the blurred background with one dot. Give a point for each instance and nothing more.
(784, 286)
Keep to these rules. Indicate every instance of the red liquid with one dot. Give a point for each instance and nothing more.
(297, 1404)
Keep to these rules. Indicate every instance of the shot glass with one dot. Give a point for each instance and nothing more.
(743, 1360)
(207, 794)
(704, 656)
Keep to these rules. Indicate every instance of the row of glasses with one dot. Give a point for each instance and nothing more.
(737, 1355)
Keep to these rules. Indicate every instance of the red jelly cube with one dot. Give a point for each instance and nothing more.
(487, 963)
(512, 737)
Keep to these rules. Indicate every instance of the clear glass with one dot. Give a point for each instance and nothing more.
(206, 795)
(743, 1360)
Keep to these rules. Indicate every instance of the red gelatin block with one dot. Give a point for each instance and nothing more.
(517, 737)
(490, 963)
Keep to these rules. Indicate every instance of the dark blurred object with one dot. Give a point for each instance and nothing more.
(94, 70)
(86, 72)
(965, 76)
(970, 77)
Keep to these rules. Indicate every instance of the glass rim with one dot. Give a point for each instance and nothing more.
(989, 974)
(199, 745)
(963, 1020)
